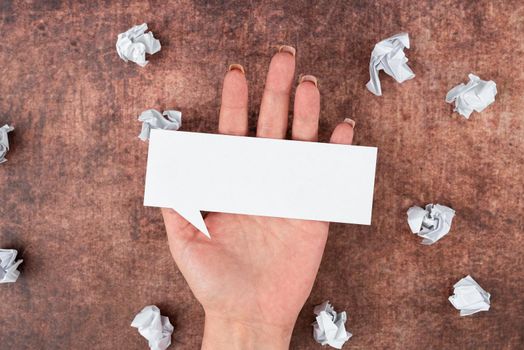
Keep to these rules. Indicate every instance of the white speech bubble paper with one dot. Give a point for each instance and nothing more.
(190, 172)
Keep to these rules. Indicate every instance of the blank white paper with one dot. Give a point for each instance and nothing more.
(193, 172)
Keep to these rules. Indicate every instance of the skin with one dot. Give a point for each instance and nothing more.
(255, 274)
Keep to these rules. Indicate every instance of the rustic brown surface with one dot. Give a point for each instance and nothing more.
(71, 192)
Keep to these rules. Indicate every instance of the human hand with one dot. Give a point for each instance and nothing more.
(255, 273)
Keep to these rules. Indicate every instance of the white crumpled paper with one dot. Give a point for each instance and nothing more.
(154, 327)
(469, 297)
(330, 327)
(431, 223)
(475, 96)
(135, 43)
(8, 266)
(4, 141)
(389, 56)
(152, 119)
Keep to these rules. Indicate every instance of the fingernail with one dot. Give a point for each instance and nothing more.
(237, 67)
(289, 49)
(310, 78)
(350, 122)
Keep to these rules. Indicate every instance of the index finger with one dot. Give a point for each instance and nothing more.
(233, 109)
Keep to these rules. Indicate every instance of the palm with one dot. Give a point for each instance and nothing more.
(249, 260)
(262, 268)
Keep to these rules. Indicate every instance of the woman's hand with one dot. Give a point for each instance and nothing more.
(255, 274)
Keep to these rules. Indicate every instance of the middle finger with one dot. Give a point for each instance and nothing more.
(274, 108)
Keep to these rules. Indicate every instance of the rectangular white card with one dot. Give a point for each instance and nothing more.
(190, 172)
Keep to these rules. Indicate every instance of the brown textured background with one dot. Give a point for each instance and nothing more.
(71, 192)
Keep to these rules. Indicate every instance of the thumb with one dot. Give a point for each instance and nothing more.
(179, 230)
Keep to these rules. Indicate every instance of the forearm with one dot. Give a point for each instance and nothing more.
(222, 333)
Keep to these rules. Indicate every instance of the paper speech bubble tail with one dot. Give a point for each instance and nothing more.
(195, 218)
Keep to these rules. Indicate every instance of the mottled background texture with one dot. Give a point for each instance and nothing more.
(71, 192)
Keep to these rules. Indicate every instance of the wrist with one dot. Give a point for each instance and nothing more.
(226, 333)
